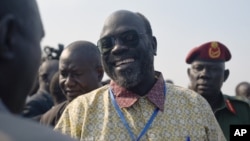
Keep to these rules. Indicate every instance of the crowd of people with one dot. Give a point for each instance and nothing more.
(65, 97)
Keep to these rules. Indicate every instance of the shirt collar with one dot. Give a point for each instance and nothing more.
(156, 95)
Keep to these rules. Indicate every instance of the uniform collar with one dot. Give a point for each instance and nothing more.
(226, 103)
(229, 104)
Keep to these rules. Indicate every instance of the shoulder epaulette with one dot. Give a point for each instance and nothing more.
(230, 106)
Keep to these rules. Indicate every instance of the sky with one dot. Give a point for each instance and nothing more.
(179, 25)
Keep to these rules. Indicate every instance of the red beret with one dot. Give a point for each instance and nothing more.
(210, 51)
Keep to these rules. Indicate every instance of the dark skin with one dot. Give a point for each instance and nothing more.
(20, 51)
(137, 72)
(55, 90)
(207, 78)
(46, 72)
(80, 71)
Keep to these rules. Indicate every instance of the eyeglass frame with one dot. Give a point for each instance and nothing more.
(115, 38)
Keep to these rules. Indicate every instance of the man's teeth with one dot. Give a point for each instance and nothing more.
(124, 61)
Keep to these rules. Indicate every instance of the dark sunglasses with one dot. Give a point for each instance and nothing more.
(129, 38)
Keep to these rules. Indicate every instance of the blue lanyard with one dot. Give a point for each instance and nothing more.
(144, 130)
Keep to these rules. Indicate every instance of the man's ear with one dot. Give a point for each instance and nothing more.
(6, 37)
(154, 44)
(188, 72)
(226, 74)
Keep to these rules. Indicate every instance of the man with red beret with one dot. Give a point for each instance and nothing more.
(207, 75)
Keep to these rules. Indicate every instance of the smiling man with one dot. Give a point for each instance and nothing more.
(137, 104)
(207, 75)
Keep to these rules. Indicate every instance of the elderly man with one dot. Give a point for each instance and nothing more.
(21, 31)
(138, 104)
(207, 75)
(80, 71)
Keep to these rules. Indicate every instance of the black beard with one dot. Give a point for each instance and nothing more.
(130, 78)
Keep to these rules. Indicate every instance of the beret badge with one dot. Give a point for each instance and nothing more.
(214, 50)
(209, 51)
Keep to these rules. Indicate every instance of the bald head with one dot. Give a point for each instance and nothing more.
(86, 50)
(124, 17)
(80, 69)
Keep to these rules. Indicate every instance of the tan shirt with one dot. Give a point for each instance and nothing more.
(93, 117)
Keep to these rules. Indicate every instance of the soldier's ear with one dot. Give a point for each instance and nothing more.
(154, 44)
(188, 72)
(226, 74)
(7, 24)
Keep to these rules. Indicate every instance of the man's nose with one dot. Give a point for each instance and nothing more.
(69, 81)
(205, 73)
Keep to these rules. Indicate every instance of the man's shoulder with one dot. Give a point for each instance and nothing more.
(185, 95)
(90, 97)
(60, 106)
(94, 93)
(33, 131)
(235, 100)
(52, 115)
(181, 91)
(55, 109)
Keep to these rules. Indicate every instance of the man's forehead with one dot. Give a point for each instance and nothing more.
(122, 21)
(208, 63)
(121, 15)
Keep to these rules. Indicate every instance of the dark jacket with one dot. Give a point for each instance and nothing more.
(232, 111)
(38, 104)
(51, 117)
